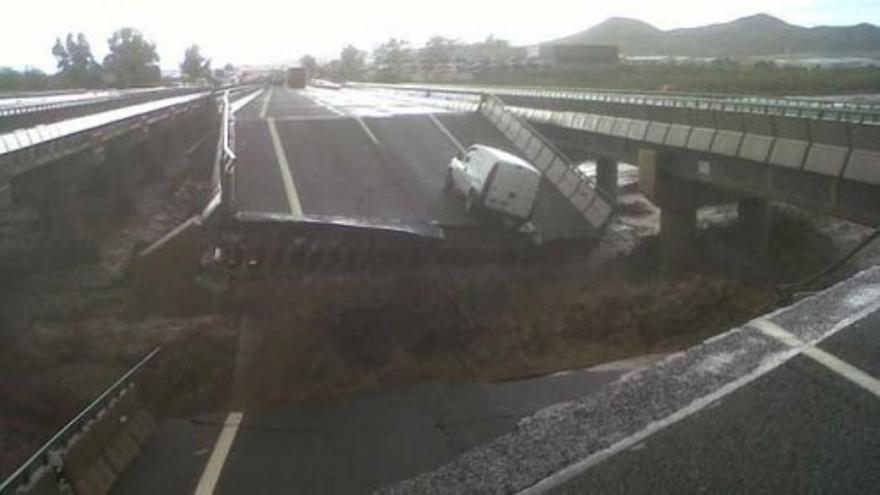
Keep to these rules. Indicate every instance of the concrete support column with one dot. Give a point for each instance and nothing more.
(678, 227)
(678, 201)
(754, 222)
(63, 211)
(606, 176)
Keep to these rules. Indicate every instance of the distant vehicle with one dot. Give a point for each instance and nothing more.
(297, 77)
(495, 180)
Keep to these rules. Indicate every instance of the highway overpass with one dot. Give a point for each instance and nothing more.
(695, 150)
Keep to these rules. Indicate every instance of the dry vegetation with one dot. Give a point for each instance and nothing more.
(493, 323)
(484, 325)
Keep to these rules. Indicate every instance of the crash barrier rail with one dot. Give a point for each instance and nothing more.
(8, 107)
(70, 99)
(27, 149)
(819, 109)
(222, 190)
(93, 448)
(224, 163)
(836, 149)
(579, 190)
(24, 117)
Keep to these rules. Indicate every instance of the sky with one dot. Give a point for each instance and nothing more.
(276, 32)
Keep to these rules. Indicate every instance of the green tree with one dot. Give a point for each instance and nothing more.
(132, 60)
(310, 64)
(76, 64)
(28, 80)
(351, 62)
(438, 50)
(194, 66)
(391, 58)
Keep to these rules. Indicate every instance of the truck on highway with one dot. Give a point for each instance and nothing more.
(297, 77)
(495, 181)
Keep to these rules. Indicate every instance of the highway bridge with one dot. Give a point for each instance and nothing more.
(696, 150)
(351, 177)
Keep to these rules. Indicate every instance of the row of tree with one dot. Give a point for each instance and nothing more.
(131, 61)
(391, 57)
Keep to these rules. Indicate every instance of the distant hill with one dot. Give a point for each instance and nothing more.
(759, 34)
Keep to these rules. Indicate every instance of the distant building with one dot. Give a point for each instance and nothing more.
(575, 55)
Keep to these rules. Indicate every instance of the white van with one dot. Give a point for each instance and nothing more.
(495, 180)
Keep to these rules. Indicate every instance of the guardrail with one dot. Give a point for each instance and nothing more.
(224, 163)
(24, 117)
(8, 110)
(789, 107)
(223, 175)
(579, 190)
(25, 149)
(48, 457)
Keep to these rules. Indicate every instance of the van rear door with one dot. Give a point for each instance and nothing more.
(512, 189)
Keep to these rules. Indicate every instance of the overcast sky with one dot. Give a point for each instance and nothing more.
(269, 31)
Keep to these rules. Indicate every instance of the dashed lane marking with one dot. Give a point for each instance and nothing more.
(265, 107)
(830, 361)
(287, 179)
(367, 130)
(566, 474)
(445, 131)
(209, 478)
(796, 347)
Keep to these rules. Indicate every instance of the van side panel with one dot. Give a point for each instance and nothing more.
(479, 166)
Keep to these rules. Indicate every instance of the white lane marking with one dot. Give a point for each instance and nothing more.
(209, 478)
(286, 178)
(566, 474)
(444, 130)
(265, 107)
(830, 361)
(770, 363)
(367, 130)
(243, 102)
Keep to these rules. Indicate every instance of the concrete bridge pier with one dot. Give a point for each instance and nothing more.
(678, 200)
(678, 229)
(606, 176)
(63, 212)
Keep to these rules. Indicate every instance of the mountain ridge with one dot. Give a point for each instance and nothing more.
(754, 35)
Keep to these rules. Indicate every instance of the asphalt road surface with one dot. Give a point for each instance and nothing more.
(353, 444)
(365, 155)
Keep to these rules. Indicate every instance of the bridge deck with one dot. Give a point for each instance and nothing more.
(365, 155)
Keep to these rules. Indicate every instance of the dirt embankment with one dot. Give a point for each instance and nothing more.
(493, 323)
